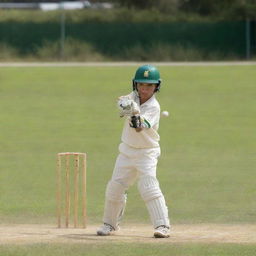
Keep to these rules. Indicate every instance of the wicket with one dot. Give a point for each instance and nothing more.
(76, 167)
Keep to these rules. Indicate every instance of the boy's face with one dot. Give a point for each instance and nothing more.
(145, 91)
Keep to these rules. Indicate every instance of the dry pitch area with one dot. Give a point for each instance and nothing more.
(204, 233)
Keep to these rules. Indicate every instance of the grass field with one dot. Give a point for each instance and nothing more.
(137, 249)
(207, 167)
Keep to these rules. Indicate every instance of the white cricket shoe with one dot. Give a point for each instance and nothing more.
(162, 232)
(105, 230)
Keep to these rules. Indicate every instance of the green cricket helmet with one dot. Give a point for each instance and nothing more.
(147, 74)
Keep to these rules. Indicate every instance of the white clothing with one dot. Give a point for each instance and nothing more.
(148, 137)
(132, 163)
(137, 159)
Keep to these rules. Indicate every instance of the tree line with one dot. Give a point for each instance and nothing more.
(226, 9)
(230, 9)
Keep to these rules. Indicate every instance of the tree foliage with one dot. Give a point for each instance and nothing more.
(234, 9)
(226, 9)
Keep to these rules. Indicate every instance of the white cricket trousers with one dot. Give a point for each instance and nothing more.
(132, 163)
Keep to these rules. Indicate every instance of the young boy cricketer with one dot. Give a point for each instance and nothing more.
(138, 156)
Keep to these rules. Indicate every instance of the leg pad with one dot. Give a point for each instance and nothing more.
(152, 195)
(114, 203)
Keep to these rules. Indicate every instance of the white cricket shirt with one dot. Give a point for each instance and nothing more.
(148, 137)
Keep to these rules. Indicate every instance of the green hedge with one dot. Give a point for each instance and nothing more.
(112, 39)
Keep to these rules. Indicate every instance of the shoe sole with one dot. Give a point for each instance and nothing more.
(102, 234)
(160, 235)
